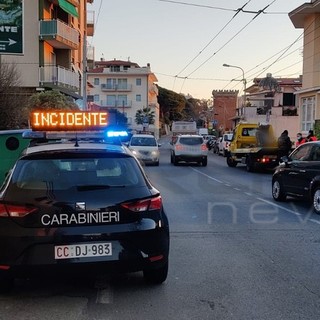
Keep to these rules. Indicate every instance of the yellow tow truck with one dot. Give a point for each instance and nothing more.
(254, 145)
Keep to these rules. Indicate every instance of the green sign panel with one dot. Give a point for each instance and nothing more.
(11, 27)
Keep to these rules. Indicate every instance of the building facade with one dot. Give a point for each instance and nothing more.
(224, 109)
(307, 17)
(273, 100)
(55, 33)
(127, 87)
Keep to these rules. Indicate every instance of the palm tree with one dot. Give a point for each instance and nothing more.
(145, 115)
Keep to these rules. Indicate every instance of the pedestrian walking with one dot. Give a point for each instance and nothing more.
(284, 144)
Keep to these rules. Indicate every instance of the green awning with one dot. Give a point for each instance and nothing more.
(68, 7)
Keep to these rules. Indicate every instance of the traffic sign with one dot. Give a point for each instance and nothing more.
(11, 27)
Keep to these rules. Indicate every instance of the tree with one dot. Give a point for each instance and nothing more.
(13, 114)
(51, 100)
(145, 115)
(171, 104)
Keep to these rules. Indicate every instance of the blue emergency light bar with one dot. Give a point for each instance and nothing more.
(75, 135)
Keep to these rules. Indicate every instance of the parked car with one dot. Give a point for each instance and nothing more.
(189, 148)
(210, 141)
(77, 206)
(224, 144)
(146, 148)
(298, 175)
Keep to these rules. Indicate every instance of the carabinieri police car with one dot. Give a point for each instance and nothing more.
(76, 202)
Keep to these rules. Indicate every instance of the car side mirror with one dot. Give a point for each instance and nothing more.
(284, 159)
(159, 144)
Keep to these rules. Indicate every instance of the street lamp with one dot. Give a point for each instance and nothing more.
(244, 83)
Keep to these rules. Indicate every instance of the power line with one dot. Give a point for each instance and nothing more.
(201, 51)
(225, 44)
(219, 8)
(237, 33)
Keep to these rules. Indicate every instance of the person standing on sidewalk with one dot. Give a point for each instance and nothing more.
(311, 136)
(300, 139)
(284, 144)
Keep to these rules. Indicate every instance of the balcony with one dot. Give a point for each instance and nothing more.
(116, 87)
(90, 23)
(116, 104)
(56, 76)
(59, 35)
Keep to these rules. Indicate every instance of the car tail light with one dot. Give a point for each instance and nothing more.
(204, 147)
(144, 205)
(179, 147)
(9, 210)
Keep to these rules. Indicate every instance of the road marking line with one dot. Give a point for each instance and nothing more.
(260, 199)
(280, 207)
(206, 175)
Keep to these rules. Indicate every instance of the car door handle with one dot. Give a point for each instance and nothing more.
(293, 173)
(302, 170)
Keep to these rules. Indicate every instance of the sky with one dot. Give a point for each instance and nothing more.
(187, 42)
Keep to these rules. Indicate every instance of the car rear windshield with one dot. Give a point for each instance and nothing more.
(65, 173)
(143, 141)
(191, 141)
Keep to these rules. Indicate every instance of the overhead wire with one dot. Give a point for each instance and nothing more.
(225, 44)
(236, 34)
(220, 31)
(305, 32)
(217, 8)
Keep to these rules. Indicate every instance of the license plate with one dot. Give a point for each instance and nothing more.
(83, 250)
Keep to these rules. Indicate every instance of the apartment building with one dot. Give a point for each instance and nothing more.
(307, 17)
(127, 87)
(273, 100)
(54, 43)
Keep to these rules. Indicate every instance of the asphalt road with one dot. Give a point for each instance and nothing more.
(235, 254)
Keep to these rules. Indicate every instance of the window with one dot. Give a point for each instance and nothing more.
(111, 100)
(115, 68)
(111, 83)
(307, 113)
(122, 83)
(138, 97)
(96, 81)
(122, 100)
(96, 98)
(143, 141)
(138, 81)
(288, 99)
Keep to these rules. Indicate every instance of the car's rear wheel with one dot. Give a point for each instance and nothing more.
(156, 276)
(278, 193)
(6, 281)
(231, 162)
(204, 162)
(175, 160)
(316, 200)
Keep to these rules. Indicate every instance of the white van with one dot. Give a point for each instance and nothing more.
(145, 147)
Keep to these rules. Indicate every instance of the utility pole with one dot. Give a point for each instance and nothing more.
(84, 61)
